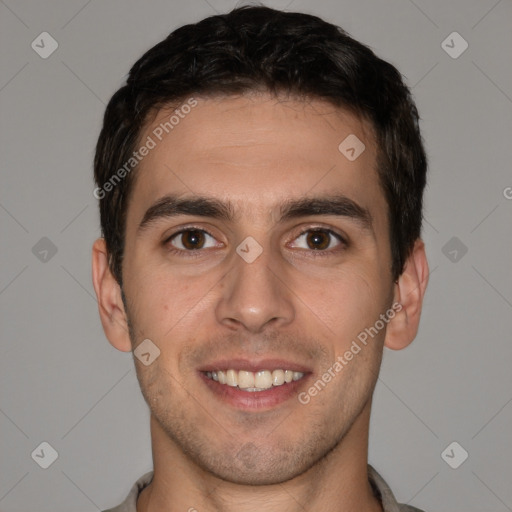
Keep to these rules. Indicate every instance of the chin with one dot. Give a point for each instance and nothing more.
(250, 464)
(261, 475)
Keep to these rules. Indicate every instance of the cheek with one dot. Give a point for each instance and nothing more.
(166, 305)
(351, 302)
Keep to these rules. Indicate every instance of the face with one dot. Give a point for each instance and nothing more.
(256, 253)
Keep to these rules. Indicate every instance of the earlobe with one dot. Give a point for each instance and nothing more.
(409, 293)
(110, 303)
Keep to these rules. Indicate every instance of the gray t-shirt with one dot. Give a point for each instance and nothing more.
(379, 486)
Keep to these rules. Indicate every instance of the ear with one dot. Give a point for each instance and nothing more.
(110, 303)
(409, 292)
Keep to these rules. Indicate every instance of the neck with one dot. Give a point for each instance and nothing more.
(338, 482)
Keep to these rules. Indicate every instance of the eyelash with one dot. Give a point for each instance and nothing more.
(198, 252)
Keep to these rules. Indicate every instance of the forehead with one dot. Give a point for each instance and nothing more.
(256, 151)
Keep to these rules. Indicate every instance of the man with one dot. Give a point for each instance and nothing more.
(260, 179)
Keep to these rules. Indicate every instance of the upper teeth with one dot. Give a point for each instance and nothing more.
(254, 381)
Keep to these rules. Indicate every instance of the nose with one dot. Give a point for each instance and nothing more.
(255, 295)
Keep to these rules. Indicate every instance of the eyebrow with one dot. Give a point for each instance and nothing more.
(337, 205)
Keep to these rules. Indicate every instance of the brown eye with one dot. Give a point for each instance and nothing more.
(190, 239)
(318, 240)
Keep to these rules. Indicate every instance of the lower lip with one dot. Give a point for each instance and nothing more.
(254, 400)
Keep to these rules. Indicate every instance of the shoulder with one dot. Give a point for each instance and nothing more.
(386, 496)
(130, 503)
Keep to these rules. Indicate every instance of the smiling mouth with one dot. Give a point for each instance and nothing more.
(254, 381)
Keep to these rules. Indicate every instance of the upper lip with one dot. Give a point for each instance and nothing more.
(254, 365)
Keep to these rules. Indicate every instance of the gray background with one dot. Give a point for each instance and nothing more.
(61, 382)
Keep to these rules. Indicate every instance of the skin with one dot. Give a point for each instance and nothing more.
(257, 151)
